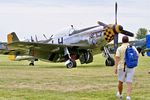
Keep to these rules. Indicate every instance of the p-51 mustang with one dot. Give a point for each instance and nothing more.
(72, 44)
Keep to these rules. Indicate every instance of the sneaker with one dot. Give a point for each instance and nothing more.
(128, 98)
(119, 96)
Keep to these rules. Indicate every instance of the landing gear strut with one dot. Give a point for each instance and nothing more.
(70, 62)
(109, 60)
(86, 57)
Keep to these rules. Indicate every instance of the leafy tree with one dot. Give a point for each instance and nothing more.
(141, 33)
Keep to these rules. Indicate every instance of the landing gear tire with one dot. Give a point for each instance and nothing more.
(109, 62)
(31, 64)
(71, 63)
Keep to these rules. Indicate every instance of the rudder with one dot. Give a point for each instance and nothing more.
(12, 37)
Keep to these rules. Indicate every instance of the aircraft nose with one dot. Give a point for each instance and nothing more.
(117, 28)
(108, 34)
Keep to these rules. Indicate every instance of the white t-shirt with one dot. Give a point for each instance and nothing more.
(121, 53)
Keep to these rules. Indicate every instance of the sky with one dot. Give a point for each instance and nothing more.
(30, 17)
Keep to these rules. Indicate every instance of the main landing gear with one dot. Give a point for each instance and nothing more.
(109, 60)
(70, 60)
(70, 63)
(31, 63)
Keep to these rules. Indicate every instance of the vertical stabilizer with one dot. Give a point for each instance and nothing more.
(12, 37)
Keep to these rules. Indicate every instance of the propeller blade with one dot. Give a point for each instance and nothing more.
(101, 23)
(115, 42)
(116, 8)
(127, 33)
(116, 35)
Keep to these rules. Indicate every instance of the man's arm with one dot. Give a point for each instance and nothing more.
(117, 59)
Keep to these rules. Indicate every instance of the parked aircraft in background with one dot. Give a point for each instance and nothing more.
(3, 48)
(140, 45)
(17, 55)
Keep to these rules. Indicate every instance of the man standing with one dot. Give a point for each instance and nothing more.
(124, 74)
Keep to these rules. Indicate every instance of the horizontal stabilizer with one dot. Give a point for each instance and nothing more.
(12, 57)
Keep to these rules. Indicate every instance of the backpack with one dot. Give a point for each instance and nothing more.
(131, 57)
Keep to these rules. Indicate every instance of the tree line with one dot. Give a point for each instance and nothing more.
(141, 33)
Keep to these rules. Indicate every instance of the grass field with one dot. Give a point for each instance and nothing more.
(52, 81)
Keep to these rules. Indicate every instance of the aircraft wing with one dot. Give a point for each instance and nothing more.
(27, 45)
(2, 51)
(40, 46)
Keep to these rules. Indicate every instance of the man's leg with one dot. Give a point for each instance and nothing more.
(129, 88)
(121, 77)
(120, 87)
(129, 78)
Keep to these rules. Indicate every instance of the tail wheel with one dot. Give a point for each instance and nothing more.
(71, 64)
(109, 62)
(31, 64)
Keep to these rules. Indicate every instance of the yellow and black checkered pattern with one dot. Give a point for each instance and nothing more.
(108, 34)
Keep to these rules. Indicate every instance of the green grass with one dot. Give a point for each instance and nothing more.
(53, 81)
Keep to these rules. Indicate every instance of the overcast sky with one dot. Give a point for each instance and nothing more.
(30, 17)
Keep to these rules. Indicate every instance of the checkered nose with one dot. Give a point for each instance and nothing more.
(108, 34)
(110, 31)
